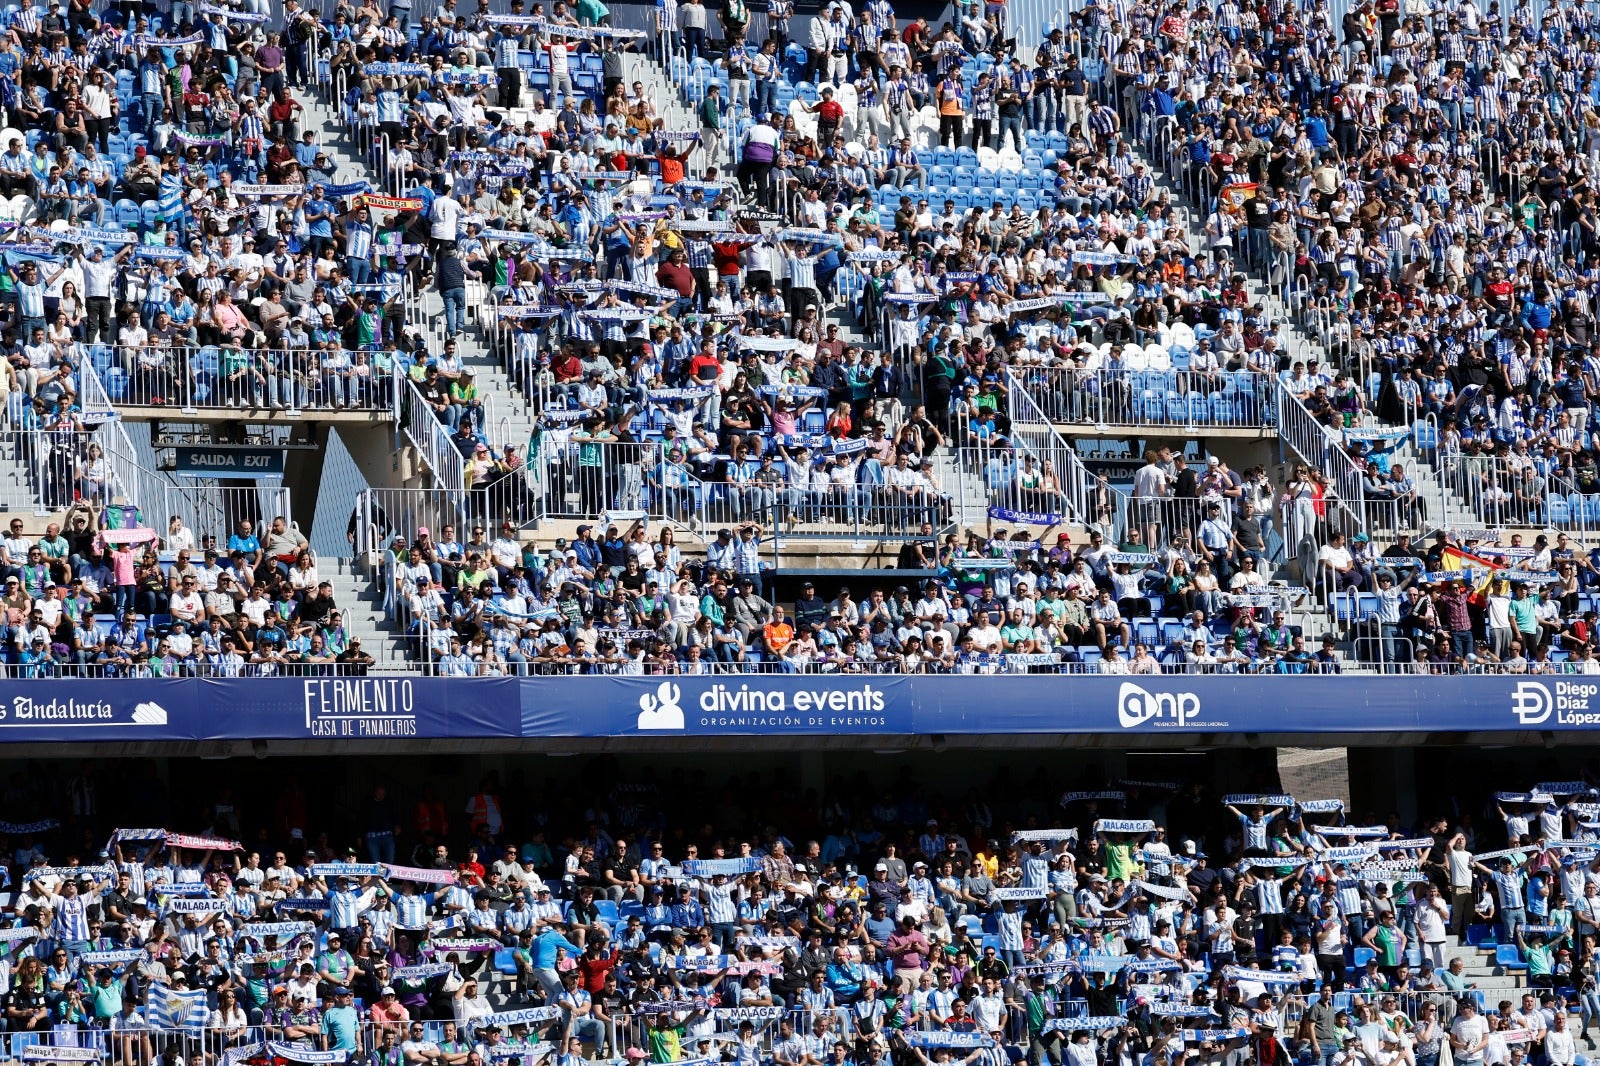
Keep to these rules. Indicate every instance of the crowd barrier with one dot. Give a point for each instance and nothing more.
(1190, 399)
(209, 377)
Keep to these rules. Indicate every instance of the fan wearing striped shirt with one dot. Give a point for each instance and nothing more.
(1255, 826)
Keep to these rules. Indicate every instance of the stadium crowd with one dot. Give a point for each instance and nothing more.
(108, 597)
(897, 928)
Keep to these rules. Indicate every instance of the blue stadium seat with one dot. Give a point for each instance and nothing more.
(1509, 957)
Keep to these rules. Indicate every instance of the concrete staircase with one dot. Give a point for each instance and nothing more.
(508, 412)
(360, 600)
(34, 472)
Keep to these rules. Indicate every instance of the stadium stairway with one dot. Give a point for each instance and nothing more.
(24, 473)
(508, 413)
(1445, 507)
(360, 602)
(668, 100)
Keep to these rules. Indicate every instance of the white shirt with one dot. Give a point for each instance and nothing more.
(445, 216)
(1468, 1031)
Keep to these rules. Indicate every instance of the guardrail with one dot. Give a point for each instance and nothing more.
(1189, 399)
(587, 479)
(118, 472)
(211, 377)
(52, 468)
(1091, 499)
(433, 441)
(1499, 490)
(1316, 444)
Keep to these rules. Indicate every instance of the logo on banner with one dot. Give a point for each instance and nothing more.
(1573, 703)
(27, 711)
(1531, 702)
(661, 711)
(1136, 706)
(360, 707)
(833, 705)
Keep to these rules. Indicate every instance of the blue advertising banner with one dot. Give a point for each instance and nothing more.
(398, 707)
(356, 708)
(761, 705)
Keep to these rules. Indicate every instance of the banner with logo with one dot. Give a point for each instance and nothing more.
(100, 873)
(1090, 1023)
(262, 930)
(1214, 1036)
(747, 1014)
(111, 958)
(469, 944)
(1016, 894)
(25, 828)
(420, 874)
(192, 905)
(1124, 825)
(1259, 977)
(526, 1016)
(947, 1038)
(348, 869)
(1179, 1010)
(61, 1053)
(721, 867)
(1149, 888)
(1354, 853)
(1564, 788)
(1111, 796)
(1043, 836)
(392, 709)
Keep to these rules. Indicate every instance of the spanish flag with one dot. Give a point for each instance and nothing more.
(1478, 571)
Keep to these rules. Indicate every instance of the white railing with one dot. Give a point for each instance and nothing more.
(1321, 450)
(1090, 499)
(1189, 399)
(50, 469)
(1500, 490)
(191, 378)
(432, 440)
